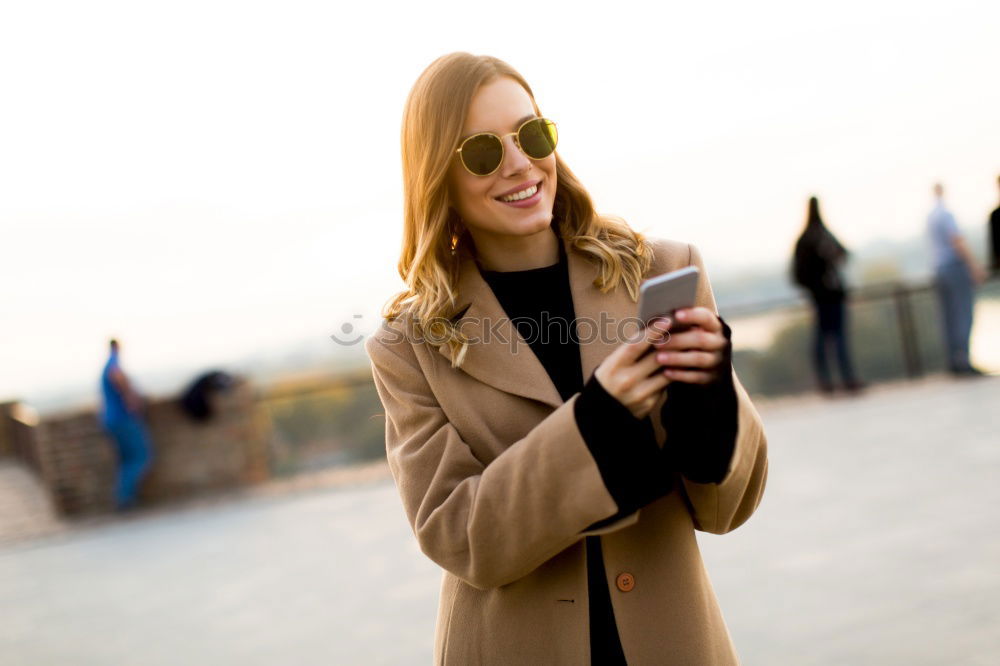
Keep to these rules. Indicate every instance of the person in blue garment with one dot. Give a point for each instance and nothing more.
(122, 418)
(957, 273)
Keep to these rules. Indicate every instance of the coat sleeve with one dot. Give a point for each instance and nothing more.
(723, 506)
(625, 449)
(487, 524)
(702, 421)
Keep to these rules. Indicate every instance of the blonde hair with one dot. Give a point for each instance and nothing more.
(433, 118)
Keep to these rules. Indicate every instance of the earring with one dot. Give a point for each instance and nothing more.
(453, 232)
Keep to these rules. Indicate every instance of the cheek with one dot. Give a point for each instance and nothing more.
(548, 165)
(468, 192)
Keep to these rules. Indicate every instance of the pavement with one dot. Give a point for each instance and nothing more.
(877, 542)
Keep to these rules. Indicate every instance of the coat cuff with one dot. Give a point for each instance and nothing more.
(631, 462)
(701, 422)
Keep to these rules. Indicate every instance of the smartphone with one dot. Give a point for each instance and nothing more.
(662, 295)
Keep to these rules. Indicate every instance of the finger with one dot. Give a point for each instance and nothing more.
(646, 365)
(627, 377)
(696, 339)
(658, 328)
(699, 316)
(644, 409)
(649, 388)
(634, 348)
(689, 359)
(689, 376)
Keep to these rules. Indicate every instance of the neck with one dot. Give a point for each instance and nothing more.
(504, 252)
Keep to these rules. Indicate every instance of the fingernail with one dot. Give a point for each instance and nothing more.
(681, 314)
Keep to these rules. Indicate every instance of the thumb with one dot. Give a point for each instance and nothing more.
(636, 346)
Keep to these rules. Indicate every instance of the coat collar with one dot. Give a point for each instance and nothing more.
(504, 360)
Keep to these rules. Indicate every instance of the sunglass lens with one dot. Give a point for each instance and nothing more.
(538, 138)
(482, 154)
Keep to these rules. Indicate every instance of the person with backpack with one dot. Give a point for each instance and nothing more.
(815, 267)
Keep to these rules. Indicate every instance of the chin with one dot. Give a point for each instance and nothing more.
(532, 225)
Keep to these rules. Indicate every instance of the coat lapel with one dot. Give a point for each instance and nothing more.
(500, 357)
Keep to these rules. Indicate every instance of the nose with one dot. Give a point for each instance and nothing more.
(514, 159)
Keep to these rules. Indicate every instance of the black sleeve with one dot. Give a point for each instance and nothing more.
(625, 449)
(701, 423)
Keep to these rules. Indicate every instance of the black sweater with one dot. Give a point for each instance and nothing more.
(700, 421)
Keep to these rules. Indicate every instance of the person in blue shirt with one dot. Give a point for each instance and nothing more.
(122, 418)
(956, 274)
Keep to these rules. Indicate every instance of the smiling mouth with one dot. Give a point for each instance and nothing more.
(521, 194)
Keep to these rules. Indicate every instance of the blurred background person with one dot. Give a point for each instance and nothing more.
(956, 272)
(196, 401)
(815, 267)
(122, 417)
(995, 238)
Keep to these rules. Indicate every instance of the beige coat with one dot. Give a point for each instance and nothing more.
(497, 483)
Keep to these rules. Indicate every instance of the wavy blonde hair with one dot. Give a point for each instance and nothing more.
(433, 118)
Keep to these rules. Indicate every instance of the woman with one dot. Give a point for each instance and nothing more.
(562, 512)
(818, 254)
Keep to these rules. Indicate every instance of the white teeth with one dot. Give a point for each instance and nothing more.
(523, 194)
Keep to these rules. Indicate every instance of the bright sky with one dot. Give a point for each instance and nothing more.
(211, 180)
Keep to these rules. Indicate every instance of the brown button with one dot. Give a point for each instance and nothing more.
(625, 582)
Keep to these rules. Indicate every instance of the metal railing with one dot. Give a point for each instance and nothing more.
(899, 294)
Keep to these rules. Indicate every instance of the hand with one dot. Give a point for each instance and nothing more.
(631, 375)
(135, 404)
(693, 354)
(978, 274)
